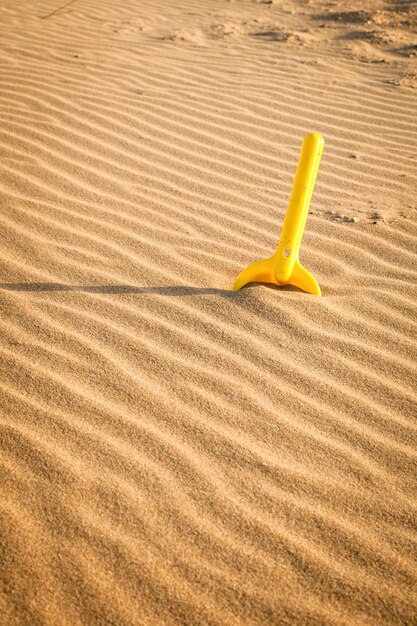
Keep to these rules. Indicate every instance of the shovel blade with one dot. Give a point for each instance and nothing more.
(302, 279)
(259, 272)
(265, 272)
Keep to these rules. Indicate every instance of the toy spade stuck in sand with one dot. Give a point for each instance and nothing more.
(283, 267)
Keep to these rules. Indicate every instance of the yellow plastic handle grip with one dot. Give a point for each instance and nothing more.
(297, 211)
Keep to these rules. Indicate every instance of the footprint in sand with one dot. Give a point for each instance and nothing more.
(336, 216)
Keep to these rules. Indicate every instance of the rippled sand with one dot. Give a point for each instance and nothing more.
(173, 452)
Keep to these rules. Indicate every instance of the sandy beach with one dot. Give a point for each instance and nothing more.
(173, 452)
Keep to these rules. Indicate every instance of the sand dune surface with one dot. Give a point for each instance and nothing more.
(173, 452)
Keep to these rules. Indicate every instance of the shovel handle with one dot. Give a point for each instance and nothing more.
(302, 190)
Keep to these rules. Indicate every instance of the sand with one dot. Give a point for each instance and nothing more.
(173, 452)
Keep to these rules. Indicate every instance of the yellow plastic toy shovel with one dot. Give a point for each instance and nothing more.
(283, 267)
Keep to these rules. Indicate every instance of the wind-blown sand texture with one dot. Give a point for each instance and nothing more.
(173, 452)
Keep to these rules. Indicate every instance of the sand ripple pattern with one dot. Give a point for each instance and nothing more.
(172, 452)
